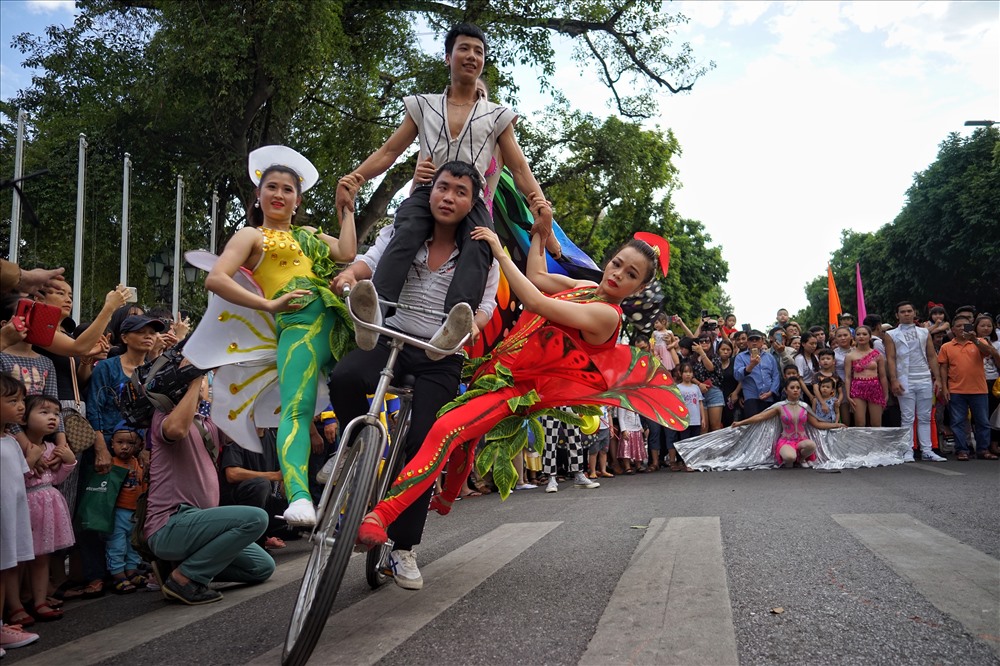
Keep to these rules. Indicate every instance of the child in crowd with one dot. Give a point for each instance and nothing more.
(15, 519)
(827, 405)
(938, 320)
(632, 444)
(787, 373)
(122, 560)
(51, 524)
(695, 403)
(664, 342)
(599, 443)
(828, 368)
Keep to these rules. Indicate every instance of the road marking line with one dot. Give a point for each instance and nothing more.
(936, 468)
(371, 628)
(671, 605)
(956, 578)
(122, 637)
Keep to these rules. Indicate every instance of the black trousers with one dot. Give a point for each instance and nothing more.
(754, 406)
(257, 492)
(414, 225)
(356, 376)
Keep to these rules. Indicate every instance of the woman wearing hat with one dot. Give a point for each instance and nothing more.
(291, 267)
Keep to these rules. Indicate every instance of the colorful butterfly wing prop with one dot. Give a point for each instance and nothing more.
(513, 221)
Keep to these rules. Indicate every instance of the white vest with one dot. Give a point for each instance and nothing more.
(911, 354)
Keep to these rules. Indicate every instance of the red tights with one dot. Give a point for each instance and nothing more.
(453, 438)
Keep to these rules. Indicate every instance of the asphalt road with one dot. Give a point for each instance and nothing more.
(894, 565)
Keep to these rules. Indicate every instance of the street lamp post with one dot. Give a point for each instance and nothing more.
(980, 123)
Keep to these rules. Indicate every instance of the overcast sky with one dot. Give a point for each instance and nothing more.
(814, 121)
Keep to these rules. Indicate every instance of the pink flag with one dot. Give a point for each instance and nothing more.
(862, 313)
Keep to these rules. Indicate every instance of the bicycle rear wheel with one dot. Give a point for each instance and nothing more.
(376, 562)
(332, 544)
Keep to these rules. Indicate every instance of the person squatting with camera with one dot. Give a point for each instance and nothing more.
(195, 540)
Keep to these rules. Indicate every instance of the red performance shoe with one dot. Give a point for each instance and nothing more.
(439, 505)
(372, 532)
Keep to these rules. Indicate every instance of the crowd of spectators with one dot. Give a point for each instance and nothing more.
(938, 376)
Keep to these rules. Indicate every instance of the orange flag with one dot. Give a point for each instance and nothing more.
(833, 298)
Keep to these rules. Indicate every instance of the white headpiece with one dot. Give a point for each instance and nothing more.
(268, 156)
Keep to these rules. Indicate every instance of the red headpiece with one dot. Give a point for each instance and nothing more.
(660, 246)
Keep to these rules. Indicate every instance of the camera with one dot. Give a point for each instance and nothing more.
(157, 385)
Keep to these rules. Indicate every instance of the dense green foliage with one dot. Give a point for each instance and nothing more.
(190, 88)
(942, 247)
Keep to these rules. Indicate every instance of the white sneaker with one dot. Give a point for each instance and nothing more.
(404, 569)
(932, 457)
(300, 513)
(553, 486)
(326, 473)
(525, 486)
(364, 305)
(580, 480)
(455, 327)
(13, 636)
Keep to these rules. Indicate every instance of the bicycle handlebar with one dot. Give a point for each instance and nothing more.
(398, 335)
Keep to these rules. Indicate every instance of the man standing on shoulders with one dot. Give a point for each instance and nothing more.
(912, 366)
(457, 125)
(759, 373)
(963, 381)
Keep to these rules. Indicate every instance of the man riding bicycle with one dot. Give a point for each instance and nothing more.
(454, 189)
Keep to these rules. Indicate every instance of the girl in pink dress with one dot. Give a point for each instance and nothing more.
(51, 526)
(865, 375)
(664, 342)
(793, 446)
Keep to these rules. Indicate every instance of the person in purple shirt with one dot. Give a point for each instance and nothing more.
(184, 523)
(759, 373)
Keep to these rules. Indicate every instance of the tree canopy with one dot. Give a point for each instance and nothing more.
(190, 88)
(942, 246)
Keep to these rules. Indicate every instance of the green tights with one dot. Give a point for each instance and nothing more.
(303, 353)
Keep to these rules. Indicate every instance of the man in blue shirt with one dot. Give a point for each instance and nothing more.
(760, 375)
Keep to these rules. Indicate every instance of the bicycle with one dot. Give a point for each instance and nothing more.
(339, 513)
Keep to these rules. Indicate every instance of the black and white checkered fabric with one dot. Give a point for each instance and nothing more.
(558, 434)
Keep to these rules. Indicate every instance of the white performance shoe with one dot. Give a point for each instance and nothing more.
(930, 456)
(580, 480)
(455, 327)
(553, 486)
(364, 305)
(404, 569)
(300, 513)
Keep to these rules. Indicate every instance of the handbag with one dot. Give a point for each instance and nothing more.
(996, 388)
(79, 432)
(95, 509)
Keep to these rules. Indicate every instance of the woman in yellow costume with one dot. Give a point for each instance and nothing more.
(274, 267)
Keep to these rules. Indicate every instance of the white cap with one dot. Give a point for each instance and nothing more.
(269, 156)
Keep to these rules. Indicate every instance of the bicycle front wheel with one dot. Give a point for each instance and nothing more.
(332, 544)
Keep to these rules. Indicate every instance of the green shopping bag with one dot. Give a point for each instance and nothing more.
(95, 509)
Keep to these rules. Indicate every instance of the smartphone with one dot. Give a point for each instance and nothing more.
(779, 337)
(969, 328)
(746, 328)
(133, 295)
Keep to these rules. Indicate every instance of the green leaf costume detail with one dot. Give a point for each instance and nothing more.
(323, 268)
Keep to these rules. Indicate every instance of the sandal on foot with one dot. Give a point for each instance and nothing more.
(372, 532)
(273, 543)
(93, 590)
(21, 617)
(986, 455)
(443, 507)
(136, 579)
(962, 456)
(52, 602)
(123, 586)
(606, 475)
(45, 613)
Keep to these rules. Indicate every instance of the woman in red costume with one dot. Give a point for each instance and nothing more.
(562, 352)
